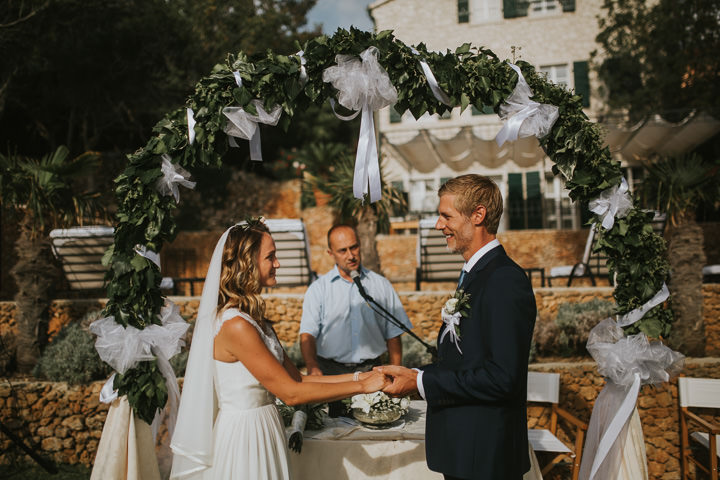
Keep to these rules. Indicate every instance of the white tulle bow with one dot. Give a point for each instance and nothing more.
(524, 117)
(172, 176)
(363, 85)
(242, 124)
(122, 348)
(627, 362)
(614, 202)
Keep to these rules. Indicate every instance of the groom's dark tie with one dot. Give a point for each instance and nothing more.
(462, 277)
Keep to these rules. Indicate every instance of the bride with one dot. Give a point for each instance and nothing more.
(228, 425)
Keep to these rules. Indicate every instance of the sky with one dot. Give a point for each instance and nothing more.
(340, 13)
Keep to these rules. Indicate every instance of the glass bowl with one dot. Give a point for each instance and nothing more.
(376, 418)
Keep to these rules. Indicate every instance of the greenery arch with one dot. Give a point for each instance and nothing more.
(470, 76)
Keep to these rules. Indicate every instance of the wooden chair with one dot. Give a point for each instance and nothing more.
(436, 263)
(293, 251)
(80, 251)
(699, 393)
(594, 264)
(545, 388)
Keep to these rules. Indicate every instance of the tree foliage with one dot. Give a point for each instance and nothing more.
(97, 74)
(661, 56)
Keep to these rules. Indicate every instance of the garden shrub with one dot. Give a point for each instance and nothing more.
(71, 357)
(414, 353)
(567, 335)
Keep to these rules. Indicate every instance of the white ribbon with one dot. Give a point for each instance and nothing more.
(303, 72)
(524, 117)
(614, 202)
(238, 78)
(242, 124)
(363, 85)
(451, 320)
(432, 82)
(172, 176)
(626, 363)
(122, 348)
(149, 254)
(638, 313)
(191, 125)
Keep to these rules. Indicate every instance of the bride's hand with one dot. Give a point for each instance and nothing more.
(373, 381)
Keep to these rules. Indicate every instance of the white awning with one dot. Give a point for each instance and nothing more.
(460, 147)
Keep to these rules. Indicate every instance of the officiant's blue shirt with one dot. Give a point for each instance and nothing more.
(345, 328)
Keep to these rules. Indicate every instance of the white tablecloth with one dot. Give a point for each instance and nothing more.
(343, 451)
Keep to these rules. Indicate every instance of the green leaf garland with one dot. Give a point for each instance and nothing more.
(469, 75)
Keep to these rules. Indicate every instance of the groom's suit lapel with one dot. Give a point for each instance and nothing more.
(466, 283)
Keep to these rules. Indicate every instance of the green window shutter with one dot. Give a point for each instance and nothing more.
(516, 201)
(395, 117)
(463, 11)
(515, 8)
(568, 5)
(486, 110)
(582, 82)
(533, 200)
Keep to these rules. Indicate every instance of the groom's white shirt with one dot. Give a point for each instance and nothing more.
(466, 268)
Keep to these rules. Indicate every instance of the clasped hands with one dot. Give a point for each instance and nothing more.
(395, 380)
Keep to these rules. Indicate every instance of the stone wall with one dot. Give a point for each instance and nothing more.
(65, 422)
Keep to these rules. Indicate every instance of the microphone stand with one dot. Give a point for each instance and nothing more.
(389, 316)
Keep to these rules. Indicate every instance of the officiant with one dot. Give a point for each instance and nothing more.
(339, 332)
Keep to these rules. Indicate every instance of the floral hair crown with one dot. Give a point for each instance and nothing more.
(252, 222)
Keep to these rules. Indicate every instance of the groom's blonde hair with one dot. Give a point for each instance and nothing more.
(473, 190)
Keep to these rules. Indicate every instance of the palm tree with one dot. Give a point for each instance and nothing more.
(43, 194)
(370, 218)
(678, 186)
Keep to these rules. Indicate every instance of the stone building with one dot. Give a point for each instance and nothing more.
(557, 37)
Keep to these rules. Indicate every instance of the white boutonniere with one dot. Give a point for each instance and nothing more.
(454, 310)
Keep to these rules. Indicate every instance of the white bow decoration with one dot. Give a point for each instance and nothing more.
(363, 85)
(122, 348)
(524, 117)
(242, 124)
(143, 251)
(172, 176)
(432, 82)
(303, 72)
(451, 320)
(626, 363)
(191, 125)
(614, 202)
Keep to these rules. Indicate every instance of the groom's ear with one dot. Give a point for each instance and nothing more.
(477, 217)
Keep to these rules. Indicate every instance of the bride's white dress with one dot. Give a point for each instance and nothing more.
(249, 437)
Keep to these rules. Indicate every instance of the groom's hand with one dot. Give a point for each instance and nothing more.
(404, 380)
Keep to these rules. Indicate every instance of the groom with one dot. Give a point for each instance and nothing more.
(476, 391)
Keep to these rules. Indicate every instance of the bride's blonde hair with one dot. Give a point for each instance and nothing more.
(239, 280)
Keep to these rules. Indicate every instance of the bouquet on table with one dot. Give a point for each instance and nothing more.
(378, 408)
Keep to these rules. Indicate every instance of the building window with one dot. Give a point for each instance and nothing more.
(544, 7)
(560, 212)
(483, 11)
(582, 82)
(557, 74)
(525, 206)
(486, 110)
(395, 117)
(463, 11)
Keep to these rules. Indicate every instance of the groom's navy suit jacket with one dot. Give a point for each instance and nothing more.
(477, 416)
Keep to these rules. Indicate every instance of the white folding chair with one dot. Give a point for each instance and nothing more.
(545, 388)
(699, 393)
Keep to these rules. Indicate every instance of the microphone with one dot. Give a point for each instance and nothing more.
(356, 278)
(355, 275)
